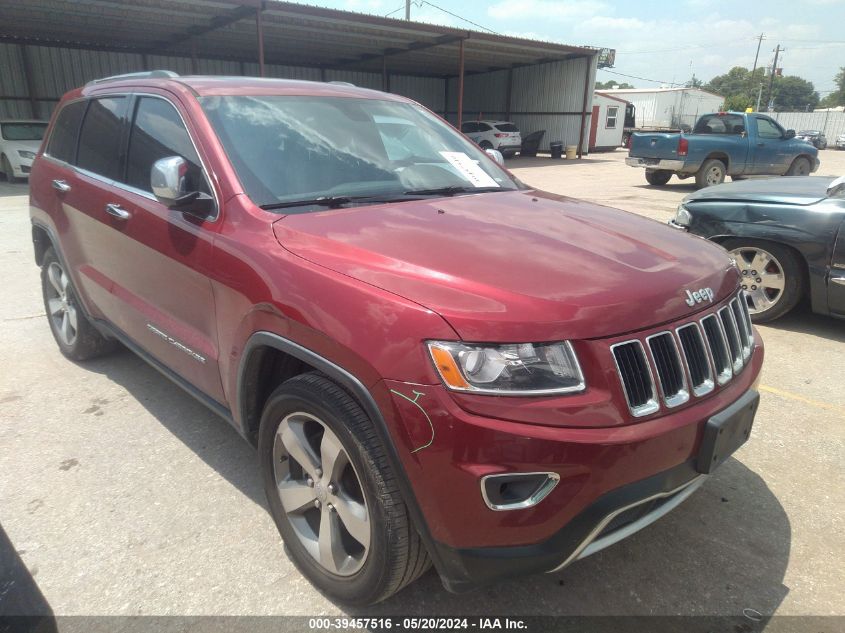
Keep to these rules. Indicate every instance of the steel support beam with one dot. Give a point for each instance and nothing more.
(217, 22)
(587, 61)
(259, 28)
(30, 84)
(460, 83)
(390, 52)
(508, 93)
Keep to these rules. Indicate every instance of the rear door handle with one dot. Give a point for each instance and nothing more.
(61, 185)
(117, 211)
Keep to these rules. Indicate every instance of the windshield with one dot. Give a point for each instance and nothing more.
(289, 148)
(23, 131)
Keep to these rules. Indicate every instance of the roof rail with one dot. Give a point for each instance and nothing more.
(150, 74)
(342, 83)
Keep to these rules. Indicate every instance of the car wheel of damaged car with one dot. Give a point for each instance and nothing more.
(334, 499)
(657, 176)
(772, 277)
(76, 337)
(712, 172)
(800, 167)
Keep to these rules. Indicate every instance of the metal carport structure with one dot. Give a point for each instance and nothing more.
(50, 46)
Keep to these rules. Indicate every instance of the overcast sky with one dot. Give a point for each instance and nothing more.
(663, 40)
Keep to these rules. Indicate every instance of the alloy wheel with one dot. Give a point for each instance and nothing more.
(714, 176)
(62, 310)
(321, 493)
(762, 278)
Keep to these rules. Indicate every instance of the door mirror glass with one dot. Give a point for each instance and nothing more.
(789, 134)
(836, 188)
(496, 155)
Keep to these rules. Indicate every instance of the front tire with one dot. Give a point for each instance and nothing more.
(76, 337)
(8, 171)
(332, 494)
(799, 167)
(657, 177)
(772, 277)
(711, 173)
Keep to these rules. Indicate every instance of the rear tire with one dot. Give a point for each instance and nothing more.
(485, 145)
(657, 177)
(799, 167)
(780, 273)
(301, 417)
(711, 173)
(76, 337)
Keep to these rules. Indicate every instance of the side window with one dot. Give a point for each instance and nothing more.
(62, 144)
(158, 132)
(612, 115)
(99, 139)
(483, 127)
(766, 128)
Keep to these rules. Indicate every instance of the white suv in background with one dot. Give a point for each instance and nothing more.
(19, 143)
(501, 135)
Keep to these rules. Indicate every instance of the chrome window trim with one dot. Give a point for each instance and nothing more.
(724, 376)
(683, 395)
(709, 383)
(130, 118)
(552, 480)
(652, 405)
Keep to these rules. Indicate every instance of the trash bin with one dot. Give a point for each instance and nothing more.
(556, 148)
(571, 150)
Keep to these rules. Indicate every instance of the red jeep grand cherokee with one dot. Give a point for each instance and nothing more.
(436, 363)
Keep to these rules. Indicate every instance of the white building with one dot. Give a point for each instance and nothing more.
(607, 122)
(668, 107)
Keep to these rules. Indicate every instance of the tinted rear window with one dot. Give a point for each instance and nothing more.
(507, 127)
(720, 124)
(65, 132)
(99, 139)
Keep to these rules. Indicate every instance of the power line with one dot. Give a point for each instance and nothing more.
(613, 72)
(455, 15)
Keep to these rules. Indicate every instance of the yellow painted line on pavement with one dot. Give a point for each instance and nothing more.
(794, 396)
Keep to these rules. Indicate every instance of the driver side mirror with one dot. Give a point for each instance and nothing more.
(789, 134)
(497, 156)
(836, 187)
(169, 184)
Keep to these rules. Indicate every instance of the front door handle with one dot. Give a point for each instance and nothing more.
(61, 186)
(117, 211)
(838, 280)
(761, 145)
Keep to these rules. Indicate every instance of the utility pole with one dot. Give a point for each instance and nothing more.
(759, 39)
(772, 78)
(759, 94)
(407, 9)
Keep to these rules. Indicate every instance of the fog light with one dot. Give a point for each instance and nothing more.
(516, 491)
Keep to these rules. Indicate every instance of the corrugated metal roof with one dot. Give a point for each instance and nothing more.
(294, 35)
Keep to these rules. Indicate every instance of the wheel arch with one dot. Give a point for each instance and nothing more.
(264, 348)
(722, 156)
(41, 241)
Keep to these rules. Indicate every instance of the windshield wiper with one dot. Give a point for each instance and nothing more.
(452, 190)
(333, 202)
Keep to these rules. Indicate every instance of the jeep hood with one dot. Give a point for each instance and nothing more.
(517, 266)
(800, 191)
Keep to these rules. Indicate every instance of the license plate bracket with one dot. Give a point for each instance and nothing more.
(726, 431)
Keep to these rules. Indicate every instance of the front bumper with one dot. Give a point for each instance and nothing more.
(20, 167)
(606, 474)
(655, 163)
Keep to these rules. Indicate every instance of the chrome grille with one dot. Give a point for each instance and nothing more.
(670, 370)
(637, 381)
(718, 345)
(698, 364)
(692, 360)
(732, 334)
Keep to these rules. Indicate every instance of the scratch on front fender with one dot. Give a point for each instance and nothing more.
(417, 396)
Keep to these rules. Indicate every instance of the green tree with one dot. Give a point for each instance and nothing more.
(837, 97)
(738, 103)
(794, 94)
(609, 85)
(694, 82)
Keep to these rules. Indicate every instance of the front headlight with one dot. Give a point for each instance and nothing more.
(26, 154)
(682, 216)
(520, 369)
